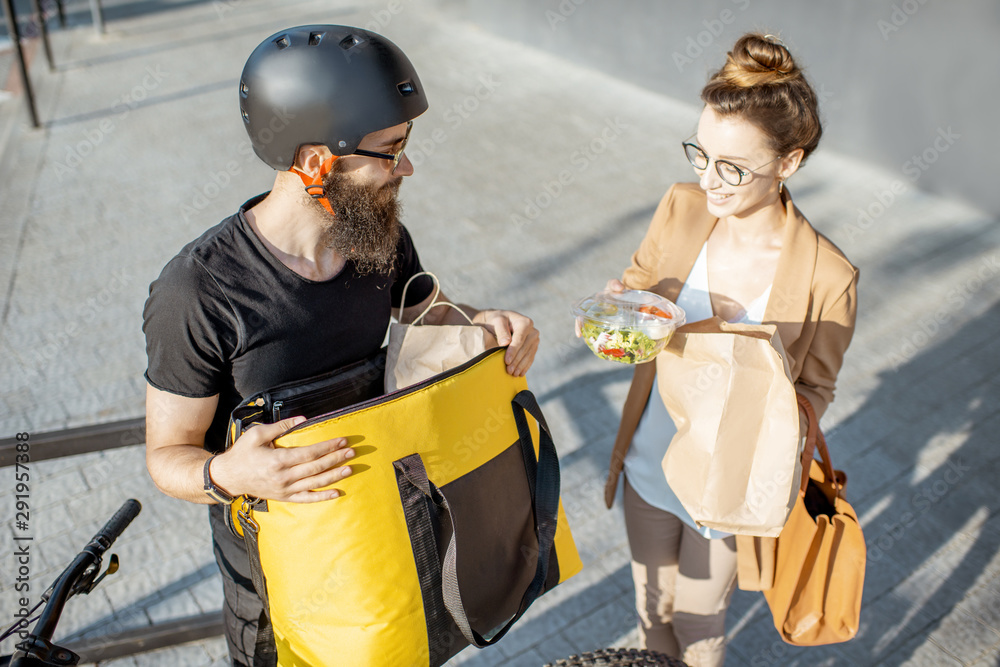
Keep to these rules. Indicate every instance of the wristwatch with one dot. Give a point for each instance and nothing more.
(216, 493)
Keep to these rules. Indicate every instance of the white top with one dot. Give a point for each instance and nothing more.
(643, 462)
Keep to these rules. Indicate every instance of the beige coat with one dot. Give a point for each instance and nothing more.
(813, 300)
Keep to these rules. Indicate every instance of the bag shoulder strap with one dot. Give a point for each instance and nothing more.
(250, 529)
(544, 485)
(543, 482)
(815, 441)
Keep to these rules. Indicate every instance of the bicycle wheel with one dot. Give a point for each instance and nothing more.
(619, 657)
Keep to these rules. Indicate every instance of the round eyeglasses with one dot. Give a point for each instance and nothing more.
(731, 173)
(394, 157)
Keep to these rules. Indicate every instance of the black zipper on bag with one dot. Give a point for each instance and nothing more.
(277, 389)
(269, 405)
(299, 407)
(308, 402)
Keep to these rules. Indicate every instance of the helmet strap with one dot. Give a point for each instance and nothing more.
(314, 184)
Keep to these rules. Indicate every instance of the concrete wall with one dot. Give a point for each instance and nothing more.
(911, 85)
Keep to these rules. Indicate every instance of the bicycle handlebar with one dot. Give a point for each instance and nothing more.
(70, 582)
(106, 536)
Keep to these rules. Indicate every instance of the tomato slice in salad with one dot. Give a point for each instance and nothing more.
(656, 312)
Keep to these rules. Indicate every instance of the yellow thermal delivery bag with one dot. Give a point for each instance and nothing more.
(449, 528)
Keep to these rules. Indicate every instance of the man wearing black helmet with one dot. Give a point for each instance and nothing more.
(298, 282)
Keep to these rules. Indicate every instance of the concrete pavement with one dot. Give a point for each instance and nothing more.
(535, 180)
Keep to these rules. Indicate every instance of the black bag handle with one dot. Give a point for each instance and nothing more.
(543, 482)
(265, 650)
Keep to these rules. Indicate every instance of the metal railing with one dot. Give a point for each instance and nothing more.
(14, 31)
(142, 640)
(73, 441)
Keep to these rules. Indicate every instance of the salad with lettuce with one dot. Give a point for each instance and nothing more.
(628, 346)
(629, 327)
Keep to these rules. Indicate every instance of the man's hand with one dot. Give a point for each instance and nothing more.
(254, 466)
(175, 455)
(509, 328)
(515, 330)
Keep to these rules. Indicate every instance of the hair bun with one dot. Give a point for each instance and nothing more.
(761, 83)
(758, 59)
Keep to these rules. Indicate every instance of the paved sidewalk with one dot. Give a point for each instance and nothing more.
(535, 180)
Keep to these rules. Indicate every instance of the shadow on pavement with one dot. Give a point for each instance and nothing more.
(932, 534)
(924, 488)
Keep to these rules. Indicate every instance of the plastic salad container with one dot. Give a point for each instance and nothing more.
(631, 327)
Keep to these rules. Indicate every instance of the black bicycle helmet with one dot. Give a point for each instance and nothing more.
(324, 84)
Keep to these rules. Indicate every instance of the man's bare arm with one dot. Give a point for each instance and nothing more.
(175, 455)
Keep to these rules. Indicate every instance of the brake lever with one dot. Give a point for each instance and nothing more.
(112, 568)
(89, 580)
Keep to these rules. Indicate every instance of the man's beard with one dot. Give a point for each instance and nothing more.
(365, 229)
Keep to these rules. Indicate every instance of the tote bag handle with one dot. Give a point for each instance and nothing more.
(434, 302)
(815, 441)
(543, 482)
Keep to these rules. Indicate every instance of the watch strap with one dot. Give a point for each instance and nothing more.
(216, 493)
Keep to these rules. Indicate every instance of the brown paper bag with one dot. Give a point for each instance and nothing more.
(734, 462)
(416, 352)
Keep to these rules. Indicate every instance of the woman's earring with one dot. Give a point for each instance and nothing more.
(781, 186)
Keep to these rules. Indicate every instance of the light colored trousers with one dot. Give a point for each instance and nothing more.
(683, 583)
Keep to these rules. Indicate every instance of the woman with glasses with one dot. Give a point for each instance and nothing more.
(732, 245)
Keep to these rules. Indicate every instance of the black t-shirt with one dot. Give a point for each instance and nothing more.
(227, 317)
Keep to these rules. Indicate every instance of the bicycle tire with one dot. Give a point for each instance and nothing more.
(619, 657)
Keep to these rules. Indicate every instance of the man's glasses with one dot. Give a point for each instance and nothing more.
(394, 157)
(731, 173)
